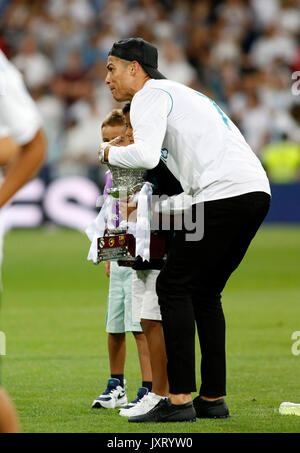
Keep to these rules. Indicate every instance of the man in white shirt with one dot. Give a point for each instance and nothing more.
(225, 189)
(22, 151)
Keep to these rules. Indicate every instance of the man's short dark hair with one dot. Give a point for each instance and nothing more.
(126, 108)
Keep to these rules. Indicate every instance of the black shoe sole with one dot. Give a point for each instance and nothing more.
(165, 412)
(213, 416)
(214, 410)
(97, 406)
(192, 420)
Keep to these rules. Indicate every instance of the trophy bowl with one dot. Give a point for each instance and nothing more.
(126, 181)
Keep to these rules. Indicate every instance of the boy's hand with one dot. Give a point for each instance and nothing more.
(128, 210)
(107, 268)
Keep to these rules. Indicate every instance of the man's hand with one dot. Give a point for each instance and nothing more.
(118, 141)
(104, 148)
(103, 152)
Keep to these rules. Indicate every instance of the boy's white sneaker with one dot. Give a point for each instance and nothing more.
(148, 402)
(113, 396)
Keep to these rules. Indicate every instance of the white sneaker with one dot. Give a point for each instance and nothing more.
(143, 406)
(113, 396)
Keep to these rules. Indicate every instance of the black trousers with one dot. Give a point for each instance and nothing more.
(189, 290)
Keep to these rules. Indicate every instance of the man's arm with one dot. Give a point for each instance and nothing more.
(148, 114)
(26, 165)
(176, 204)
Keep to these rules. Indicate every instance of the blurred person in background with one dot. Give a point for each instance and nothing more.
(174, 63)
(73, 84)
(265, 12)
(255, 122)
(274, 43)
(281, 160)
(82, 131)
(22, 152)
(33, 64)
(79, 11)
(52, 111)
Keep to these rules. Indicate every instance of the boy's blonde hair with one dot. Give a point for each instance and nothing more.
(114, 118)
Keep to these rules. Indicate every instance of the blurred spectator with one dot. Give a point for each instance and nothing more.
(255, 123)
(282, 162)
(35, 66)
(79, 156)
(289, 18)
(265, 12)
(275, 86)
(226, 49)
(46, 31)
(174, 65)
(74, 82)
(83, 134)
(52, 111)
(80, 11)
(236, 17)
(274, 43)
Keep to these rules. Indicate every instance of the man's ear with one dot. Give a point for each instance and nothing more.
(133, 67)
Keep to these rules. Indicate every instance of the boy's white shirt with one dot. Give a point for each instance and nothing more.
(199, 144)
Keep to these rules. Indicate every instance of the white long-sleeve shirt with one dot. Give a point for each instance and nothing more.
(199, 144)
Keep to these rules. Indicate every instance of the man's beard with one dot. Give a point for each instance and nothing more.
(120, 98)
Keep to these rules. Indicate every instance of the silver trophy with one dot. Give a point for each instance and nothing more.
(117, 244)
(125, 182)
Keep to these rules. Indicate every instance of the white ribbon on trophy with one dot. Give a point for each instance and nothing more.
(143, 223)
(105, 219)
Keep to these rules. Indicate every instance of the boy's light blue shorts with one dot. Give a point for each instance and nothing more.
(119, 309)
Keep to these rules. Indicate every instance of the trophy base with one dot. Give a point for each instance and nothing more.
(116, 247)
(121, 248)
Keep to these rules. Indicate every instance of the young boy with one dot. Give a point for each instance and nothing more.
(119, 311)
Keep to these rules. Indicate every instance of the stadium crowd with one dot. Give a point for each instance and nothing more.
(241, 53)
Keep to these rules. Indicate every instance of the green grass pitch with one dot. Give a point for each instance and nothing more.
(53, 316)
